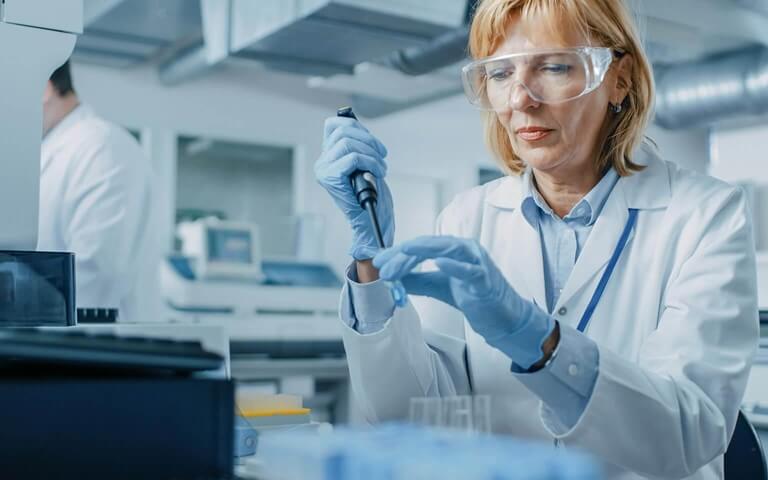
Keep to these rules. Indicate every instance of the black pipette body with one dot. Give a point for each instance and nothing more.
(364, 186)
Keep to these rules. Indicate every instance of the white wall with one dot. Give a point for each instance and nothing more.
(434, 148)
(740, 155)
(687, 148)
(243, 189)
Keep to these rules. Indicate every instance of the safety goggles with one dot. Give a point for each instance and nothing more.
(548, 76)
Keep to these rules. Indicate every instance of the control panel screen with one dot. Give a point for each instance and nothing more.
(227, 245)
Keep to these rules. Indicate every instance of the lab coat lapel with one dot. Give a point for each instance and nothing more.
(525, 257)
(600, 245)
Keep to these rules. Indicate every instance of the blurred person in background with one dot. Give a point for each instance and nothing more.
(96, 201)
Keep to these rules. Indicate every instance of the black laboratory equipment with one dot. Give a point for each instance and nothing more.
(37, 289)
(95, 406)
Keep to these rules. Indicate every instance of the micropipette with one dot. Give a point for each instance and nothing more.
(364, 186)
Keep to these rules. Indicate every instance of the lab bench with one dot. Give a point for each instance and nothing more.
(322, 382)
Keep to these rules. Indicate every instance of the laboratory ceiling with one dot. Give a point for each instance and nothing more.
(321, 51)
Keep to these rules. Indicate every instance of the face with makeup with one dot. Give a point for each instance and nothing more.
(559, 139)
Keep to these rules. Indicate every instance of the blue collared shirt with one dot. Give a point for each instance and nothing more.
(565, 385)
(562, 239)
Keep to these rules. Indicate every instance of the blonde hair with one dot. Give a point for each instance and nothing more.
(606, 23)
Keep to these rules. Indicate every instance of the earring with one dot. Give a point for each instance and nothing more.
(616, 108)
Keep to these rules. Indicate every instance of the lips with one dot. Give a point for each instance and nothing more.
(532, 134)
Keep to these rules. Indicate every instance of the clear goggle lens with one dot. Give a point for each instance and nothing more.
(547, 76)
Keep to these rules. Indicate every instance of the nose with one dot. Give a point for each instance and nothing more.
(520, 98)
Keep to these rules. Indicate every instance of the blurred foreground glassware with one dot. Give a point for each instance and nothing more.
(470, 414)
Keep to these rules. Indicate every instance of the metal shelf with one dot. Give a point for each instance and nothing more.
(254, 367)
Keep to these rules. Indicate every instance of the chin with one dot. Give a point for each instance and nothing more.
(541, 159)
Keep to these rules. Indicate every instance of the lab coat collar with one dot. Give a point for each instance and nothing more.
(59, 135)
(651, 188)
(524, 254)
(71, 119)
(648, 189)
(524, 259)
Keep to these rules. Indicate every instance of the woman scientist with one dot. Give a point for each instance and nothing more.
(603, 297)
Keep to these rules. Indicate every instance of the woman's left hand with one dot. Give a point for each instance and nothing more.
(468, 279)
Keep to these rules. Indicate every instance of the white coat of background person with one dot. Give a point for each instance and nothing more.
(604, 297)
(96, 201)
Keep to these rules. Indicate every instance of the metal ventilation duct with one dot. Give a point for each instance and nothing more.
(408, 77)
(445, 50)
(756, 5)
(699, 93)
(124, 33)
(325, 37)
(313, 37)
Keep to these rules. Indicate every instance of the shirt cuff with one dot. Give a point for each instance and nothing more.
(565, 385)
(369, 305)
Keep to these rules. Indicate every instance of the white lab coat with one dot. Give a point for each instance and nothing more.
(676, 328)
(95, 201)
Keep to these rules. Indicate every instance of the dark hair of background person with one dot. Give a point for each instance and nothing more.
(62, 80)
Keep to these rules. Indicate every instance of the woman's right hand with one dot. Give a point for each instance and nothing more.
(349, 146)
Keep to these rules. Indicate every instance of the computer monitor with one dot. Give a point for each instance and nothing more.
(222, 249)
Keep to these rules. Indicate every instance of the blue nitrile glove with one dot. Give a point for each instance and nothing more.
(469, 280)
(349, 146)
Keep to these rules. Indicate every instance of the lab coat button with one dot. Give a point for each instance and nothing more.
(562, 311)
(573, 370)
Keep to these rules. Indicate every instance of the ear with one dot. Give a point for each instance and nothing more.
(623, 79)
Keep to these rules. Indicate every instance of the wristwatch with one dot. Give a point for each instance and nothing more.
(548, 359)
